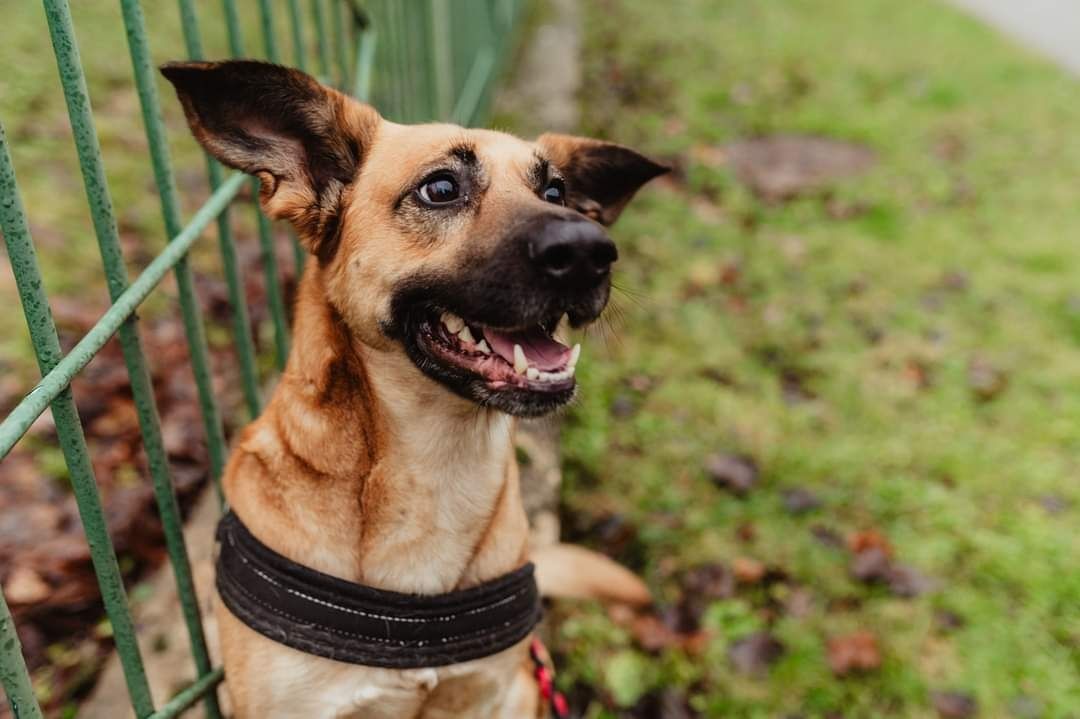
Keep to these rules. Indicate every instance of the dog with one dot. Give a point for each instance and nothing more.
(445, 260)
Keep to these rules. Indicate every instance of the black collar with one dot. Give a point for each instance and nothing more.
(319, 614)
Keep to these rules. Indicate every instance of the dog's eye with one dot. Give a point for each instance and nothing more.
(439, 190)
(555, 192)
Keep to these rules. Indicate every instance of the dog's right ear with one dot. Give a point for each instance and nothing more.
(304, 141)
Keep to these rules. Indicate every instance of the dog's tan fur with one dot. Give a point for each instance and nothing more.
(361, 466)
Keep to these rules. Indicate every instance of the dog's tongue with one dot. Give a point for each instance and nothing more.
(543, 352)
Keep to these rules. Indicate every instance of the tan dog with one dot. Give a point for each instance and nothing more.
(445, 259)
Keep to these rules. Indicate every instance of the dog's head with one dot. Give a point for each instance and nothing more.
(462, 248)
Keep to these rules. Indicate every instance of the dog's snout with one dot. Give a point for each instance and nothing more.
(576, 254)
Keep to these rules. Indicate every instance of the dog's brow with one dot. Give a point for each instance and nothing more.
(464, 151)
(538, 172)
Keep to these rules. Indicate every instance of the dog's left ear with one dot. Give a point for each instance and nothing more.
(601, 177)
(303, 140)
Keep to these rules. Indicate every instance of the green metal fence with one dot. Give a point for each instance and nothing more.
(416, 60)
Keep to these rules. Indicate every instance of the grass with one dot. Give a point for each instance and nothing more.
(724, 296)
(959, 250)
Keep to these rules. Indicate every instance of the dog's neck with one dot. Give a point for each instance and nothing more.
(373, 472)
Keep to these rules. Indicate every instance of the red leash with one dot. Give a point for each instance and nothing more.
(545, 678)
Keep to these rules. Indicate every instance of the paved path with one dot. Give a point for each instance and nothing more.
(1051, 27)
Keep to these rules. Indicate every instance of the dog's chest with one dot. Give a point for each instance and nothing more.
(445, 494)
(473, 690)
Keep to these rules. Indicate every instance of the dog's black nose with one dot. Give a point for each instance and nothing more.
(574, 253)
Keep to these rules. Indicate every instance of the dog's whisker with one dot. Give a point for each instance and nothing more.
(635, 296)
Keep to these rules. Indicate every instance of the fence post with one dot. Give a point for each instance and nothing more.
(69, 429)
(245, 347)
(13, 674)
(442, 63)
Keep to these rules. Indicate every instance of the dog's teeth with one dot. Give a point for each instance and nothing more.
(452, 322)
(465, 335)
(521, 364)
(532, 373)
(482, 345)
(575, 354)
(559, 376)
(569, 371)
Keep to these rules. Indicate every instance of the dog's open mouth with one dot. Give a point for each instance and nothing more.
(527, 359)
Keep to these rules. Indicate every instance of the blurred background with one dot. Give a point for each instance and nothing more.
(832, 417)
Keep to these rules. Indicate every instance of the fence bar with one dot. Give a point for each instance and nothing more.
(340, 51)
(265, 228)
(170, 208)
(68, 427)
(232, 28)
(296, 28)
(365, 60)
(389, 90)
(407, 78)
(442, 59)
(204, 685)
(53, 383)
(97, 194)
(273, 284)
(14, 676)
(319, 14)
(266, 20)
(469, 102)
(245, 347)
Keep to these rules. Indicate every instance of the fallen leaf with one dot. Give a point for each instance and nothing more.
(985, 379)
(954, 281)
(664, 704)
(950, 147)
(868, 539)
(917, 373)
(1053, 503)
(828, 537)
(623, 406)
(25, 586)
(618, 538)
(782, 167)
(842, 209)
(871, 565)
(654, 635)
(737, 473)
(800, 501)
(746, 532)
(908, 582)
(709, 155)
(799, 603)
(718, 375)
(855, 652)
(755, 653)
(701, 586)
(947, 621)
(748, 570)
(954, 705)
(701, 276)
(711, 581)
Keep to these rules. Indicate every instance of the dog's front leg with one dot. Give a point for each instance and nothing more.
(496, 687)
